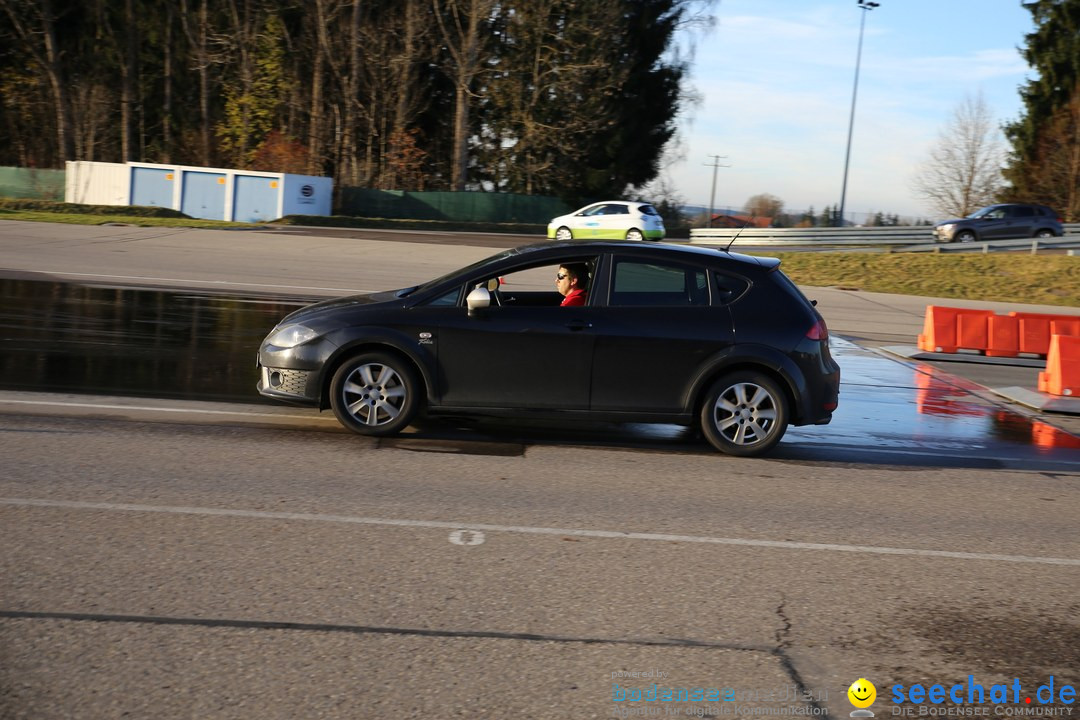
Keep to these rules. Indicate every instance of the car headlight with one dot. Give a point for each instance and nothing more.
(291, 336)
(947, 228)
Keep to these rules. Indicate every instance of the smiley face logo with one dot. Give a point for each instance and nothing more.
(862, 693)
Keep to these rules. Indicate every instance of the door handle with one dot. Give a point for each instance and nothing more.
(578, 325)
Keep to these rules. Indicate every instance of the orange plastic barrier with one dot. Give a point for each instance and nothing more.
(948, 329)
(1062, 374)
(1035, 330)
(1065, 326)
(1004, 336)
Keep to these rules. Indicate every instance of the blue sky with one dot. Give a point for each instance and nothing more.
(775, 80)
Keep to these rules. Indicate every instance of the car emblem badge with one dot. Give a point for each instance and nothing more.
(425, 338)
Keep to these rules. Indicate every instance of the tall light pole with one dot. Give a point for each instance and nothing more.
(715, 164)
(867, 6)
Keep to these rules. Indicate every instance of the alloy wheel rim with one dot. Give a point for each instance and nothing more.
(374, 394)
(745, 414)
(562, 234)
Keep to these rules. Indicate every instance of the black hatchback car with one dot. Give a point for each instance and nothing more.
(668, 334)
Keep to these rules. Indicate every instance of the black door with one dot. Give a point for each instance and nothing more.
(654, 335)
(517, 357)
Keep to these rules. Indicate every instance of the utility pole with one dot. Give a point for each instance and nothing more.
(715, 165)
(866, 6)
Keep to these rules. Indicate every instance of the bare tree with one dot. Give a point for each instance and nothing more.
(963, 170)
(461, 23)
(34, 25)
(765, 205)
(197, 30)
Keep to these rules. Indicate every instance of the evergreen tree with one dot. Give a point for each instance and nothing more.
(1047, 130)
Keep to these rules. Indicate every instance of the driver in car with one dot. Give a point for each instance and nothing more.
(572, 282)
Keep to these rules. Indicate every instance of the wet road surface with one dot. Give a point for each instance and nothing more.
(158, 565)
(61, 337)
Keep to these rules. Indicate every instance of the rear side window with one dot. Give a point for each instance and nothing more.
(647, 210)
(729, 288)
(644, 284)
(1021, 211)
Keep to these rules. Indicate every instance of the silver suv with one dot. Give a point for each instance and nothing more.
(1001, 222)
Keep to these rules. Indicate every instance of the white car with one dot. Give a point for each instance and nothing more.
(609, 220)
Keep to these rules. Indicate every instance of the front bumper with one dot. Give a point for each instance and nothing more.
(293, 375)
(294, 386)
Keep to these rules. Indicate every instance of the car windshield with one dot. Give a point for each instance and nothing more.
(982, 211)
(459, 272)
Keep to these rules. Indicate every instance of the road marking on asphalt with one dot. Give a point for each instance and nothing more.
(227, 283)
(467, 537)
(194, 411)
(484, 528)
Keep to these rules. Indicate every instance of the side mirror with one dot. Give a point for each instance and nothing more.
(478, 298)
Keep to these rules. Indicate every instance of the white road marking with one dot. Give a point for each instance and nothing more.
(196, 282)
(467, 537)
(195, 411)
(484, 528)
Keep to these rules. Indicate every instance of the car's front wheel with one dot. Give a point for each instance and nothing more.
(634, 234)
(745, 414)
(965, 236)
(375, 394)
(563, 234)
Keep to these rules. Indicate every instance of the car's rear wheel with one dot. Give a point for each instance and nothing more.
(965, 236)
(1043, 234)
(635, 235)
(375, 394)
(745, 413)
(563, 234)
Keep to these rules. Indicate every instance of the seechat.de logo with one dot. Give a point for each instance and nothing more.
(862, 694)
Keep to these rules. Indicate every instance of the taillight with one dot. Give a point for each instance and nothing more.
(818, 331)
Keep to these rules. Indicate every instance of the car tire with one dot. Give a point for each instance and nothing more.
(1044, 233)
(745, 414)
(564, 234)
(964, 236)
(375, 394)
(635, 235)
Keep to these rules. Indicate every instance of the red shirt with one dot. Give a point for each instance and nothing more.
(577, 296)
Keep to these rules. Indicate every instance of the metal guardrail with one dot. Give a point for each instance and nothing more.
(888, 239)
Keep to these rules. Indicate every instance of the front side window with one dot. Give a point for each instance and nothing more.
(545, 284)
(639, 283)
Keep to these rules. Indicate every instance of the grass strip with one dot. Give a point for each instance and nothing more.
(1003, 277)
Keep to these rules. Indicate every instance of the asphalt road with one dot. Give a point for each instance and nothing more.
(168, 560)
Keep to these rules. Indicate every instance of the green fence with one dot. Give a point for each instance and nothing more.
(456, 206)
(31, 183)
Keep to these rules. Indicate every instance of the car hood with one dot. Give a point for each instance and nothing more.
(953, 221)
(353, 301)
